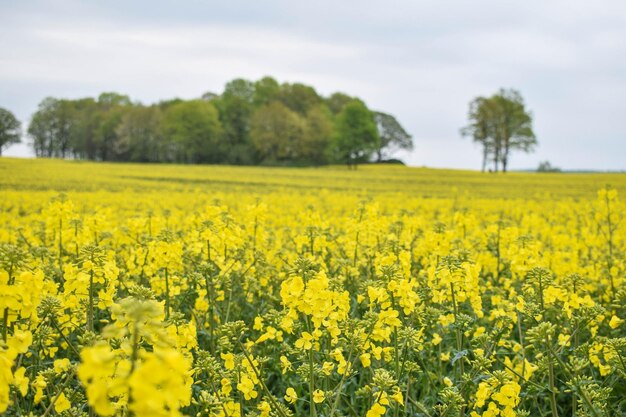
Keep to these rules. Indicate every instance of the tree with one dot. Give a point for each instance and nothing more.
(111, 98)
(392, 135)
(356, 137)
(317, 135)
(299, 97)
(546, 166)
(500, 124)
(337, 101)
(51, 128)
(10, 129)
(106, 138)
(193, 131)
(277, 133)
(481, 118)
(86, 122)
(235, 110)
(266, 90)
(139, 135)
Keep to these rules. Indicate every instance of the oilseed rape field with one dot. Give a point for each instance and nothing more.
(164, 290)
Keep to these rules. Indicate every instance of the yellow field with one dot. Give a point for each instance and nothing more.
(165, 290)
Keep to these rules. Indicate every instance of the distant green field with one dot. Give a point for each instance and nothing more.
(77, 176)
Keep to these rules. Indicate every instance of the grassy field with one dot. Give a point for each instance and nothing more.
(168, 290)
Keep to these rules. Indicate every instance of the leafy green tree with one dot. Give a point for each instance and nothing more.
(318, 134)
(546, 166)
(10, 129)
(235, 111)
(113, 99)
(209, 96)
(299, 97)
(193, 131)
(277, 133)
(266, 90)
(392, 135)
(139, 135)
(356, 136)
(514, 125)
(337, 101)
(240, 88)
(482, 117)
(105, 135)
(501, 124)
(86, 123)
(51, 128)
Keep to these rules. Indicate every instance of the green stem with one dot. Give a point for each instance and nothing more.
(5, 319)
(258, 376)
(58, 394)
(552, 387)
(311, 383)
(90, 306)
(167, 295)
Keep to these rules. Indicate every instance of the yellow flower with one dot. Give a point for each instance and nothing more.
(246, 386)
(563, 340)
(226, 386)
(258, 323)
(398, 397)
(318, 396)
(232, 409)
(290, 395)
(61, 365)
(436, 339)
(376, 410)
(365, 360)
(20, 341)
(305, 341)
(264, 409)
(285, 364)
(615, 322)
(62, 404)
(39, 383)
(327, 368)
(20, 381)
(229, 360)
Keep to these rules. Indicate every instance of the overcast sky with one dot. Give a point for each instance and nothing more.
(422, 61)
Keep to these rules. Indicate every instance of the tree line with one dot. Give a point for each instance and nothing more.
(261, 122)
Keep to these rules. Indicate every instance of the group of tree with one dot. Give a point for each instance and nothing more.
(546, 166)
(500, 124)
(260, 122)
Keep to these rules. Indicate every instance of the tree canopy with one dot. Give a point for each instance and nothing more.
(10, 129)
(356, 136)
(500, 124)
(392, 135)
(250, 122)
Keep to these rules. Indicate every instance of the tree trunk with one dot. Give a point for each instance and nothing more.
(505, 158)
(484, 164)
